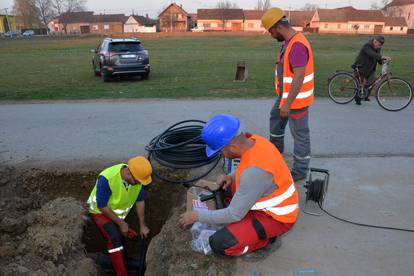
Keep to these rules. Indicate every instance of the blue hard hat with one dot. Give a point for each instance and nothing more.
(219, 131)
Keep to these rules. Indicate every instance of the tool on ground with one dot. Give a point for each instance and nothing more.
(315, 201)
(143, 254)
(132, 234)
(181, 147)
(217, 195)
(316, 189)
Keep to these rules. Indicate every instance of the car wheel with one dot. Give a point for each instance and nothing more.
(95, 73)
(104, 77)
(145, 76)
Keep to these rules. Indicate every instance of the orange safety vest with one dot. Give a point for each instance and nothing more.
(305, 96)
(282, 204)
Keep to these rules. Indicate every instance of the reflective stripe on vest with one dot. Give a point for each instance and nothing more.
(306, 94)
(282, 204)
(274, 201)
(121, 200)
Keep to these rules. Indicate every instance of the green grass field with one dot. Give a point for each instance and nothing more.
(187, 66)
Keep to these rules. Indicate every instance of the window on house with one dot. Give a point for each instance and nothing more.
(366, 26)
(391, 28)
(207, 25)
(214, 25)
(402, 29)
(106, 27)
(339, 26)
(228, 24)
(180, 16)
(326, 26)
(95, 27)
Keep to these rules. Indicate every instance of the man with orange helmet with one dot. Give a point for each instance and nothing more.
(117, 190)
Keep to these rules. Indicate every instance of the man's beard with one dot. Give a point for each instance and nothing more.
(280, 38)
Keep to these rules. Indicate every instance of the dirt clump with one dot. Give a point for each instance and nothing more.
(170, 252)
(45, 241)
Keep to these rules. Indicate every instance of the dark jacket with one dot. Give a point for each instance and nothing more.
(368, 58)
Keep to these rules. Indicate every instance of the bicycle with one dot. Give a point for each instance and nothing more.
(392, 93)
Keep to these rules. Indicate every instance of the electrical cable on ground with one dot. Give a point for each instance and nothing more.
(181, 147)
(316, 193)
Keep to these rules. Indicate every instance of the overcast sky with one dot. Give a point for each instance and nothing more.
(153, 8)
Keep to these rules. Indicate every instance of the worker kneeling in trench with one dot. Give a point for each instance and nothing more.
(263, 198)
(117, 190)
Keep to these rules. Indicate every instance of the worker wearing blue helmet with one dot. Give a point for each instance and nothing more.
(264, 200)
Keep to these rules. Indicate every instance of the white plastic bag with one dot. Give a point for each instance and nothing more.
(201, 244)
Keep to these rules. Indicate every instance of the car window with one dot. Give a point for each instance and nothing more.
(125, 47)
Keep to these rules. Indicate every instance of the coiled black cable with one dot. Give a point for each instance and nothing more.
(181, 147)
(316, 193)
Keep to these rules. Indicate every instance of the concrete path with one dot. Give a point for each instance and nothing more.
(118, 130)
(369, 152)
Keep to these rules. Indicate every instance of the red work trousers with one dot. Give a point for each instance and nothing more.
(251, 233)
(114, 242)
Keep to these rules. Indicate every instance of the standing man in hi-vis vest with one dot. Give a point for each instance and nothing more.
(294, 82)
(264, 200)
(117, 190)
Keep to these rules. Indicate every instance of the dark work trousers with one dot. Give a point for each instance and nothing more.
(368, 80)
(299, 128)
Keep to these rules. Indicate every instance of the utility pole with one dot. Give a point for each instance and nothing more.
(7, 19)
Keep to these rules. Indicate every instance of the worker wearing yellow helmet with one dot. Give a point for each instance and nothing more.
(117, 190)
(294, 85)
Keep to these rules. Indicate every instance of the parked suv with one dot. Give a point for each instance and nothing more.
(115, 57)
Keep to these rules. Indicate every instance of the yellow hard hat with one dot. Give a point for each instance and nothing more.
(272, 16)
(141, 169)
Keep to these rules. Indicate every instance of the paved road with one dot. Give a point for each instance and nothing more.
(117, 130)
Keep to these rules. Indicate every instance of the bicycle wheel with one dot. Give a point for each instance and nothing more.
(394, 94)
(342, 87)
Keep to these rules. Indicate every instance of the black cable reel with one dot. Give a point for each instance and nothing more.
(316, 189)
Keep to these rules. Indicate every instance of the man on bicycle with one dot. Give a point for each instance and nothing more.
(366, 62)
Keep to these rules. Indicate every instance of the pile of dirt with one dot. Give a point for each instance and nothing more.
(43, 241)
(170, 252)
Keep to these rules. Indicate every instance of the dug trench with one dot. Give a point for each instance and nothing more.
(45, 229)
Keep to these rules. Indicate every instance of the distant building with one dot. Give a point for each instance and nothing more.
(402, 8)
(253, 21)
(220, 19)
(300, 19)
(6, 21)
(140, 24)
(174, 19)
(87, 22)
(349, 20)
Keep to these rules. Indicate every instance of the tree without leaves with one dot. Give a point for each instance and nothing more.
(310, 7)
(74, 5)
(226, 5)
(263, 5)
(45, 10)
(59, 6)
(27, 14)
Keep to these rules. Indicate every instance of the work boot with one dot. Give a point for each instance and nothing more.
(261, 254)
(367, 99)
(297, 177)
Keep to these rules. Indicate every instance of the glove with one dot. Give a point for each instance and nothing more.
(132, 234)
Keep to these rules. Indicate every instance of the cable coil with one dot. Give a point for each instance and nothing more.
(181, 147)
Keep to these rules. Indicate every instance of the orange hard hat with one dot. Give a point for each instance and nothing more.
(141, 169)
